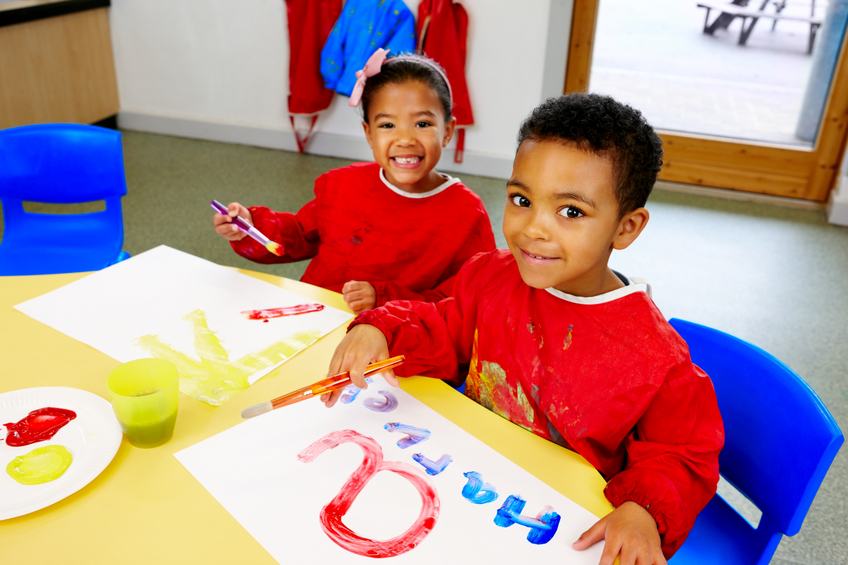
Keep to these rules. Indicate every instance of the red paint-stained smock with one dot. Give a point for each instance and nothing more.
(606, 376)
(360, 227)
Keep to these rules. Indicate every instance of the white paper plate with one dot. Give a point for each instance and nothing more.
(93, 438)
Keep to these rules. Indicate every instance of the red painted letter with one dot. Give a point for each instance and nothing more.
(372, 463)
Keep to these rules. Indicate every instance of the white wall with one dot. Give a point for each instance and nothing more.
(217, 69)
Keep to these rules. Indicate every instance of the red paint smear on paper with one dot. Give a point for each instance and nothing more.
(280, 312)
(38, 425)
(372, 463)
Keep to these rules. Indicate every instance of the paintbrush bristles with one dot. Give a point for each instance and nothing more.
(274, 248)
(257, 409)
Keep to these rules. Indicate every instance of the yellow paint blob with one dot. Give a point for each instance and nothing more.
(41, 465)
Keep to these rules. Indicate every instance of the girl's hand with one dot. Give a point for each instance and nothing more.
(361, 346)
(224, 222)
(359, 296)
(631, 532)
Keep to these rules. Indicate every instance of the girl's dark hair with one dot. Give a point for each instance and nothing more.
(601, 125)
(394, 71)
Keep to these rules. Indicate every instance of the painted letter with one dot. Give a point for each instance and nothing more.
(372, 463)
(413, 435)
(476, 491)
(542, 527)
(433, 467)
(350, 393)
(388, 404)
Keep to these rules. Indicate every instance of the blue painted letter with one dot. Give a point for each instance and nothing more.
(476, 491)
(413, 435)
(433, 467)
(386, 405)
(542, 527)
(350, 393)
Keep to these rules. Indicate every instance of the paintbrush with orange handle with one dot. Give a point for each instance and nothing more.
(321, 387)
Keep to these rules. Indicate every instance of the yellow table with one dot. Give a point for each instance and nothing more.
(146, 507)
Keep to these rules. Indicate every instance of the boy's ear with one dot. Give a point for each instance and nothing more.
(367, 128)
(629, 228)
(450, 127)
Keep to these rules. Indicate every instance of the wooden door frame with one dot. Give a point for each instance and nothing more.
(806, 173)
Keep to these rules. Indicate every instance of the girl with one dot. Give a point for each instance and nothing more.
(394, 229)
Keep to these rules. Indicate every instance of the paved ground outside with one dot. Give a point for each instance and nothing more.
(655, 57)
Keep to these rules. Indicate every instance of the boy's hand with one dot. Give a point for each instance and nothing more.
(630, 531)
(224, 222)
(361, 346)
(359, 296)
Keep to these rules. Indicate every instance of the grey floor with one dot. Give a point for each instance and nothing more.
(773, 276)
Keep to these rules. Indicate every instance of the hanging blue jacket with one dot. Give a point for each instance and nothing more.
(364, 27)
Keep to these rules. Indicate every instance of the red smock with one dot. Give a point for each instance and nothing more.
(442, 31)
(360, 227)
(605, 376)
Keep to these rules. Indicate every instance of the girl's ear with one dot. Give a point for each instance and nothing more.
(629, 228)
(449, 129)
(367, 128)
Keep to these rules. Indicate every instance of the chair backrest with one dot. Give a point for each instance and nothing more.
(60, 164)
(780, 439)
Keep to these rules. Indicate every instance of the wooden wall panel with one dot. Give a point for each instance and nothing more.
(723, 164)
(584, 17)
(833, 132)
(716, 175)
(779, 160)
(58, 69)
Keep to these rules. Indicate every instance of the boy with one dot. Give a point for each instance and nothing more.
(561, 346)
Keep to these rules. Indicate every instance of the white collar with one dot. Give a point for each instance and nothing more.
(599, 299)
(448, 182)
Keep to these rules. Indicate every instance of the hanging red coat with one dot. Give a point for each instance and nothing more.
(309, 23)
(442, 34)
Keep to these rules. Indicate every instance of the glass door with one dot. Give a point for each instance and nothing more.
(749, 95)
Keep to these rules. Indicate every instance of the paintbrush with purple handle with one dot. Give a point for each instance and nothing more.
(242, 224)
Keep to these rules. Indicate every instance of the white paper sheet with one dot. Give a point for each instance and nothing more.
(152, 293)
(253, 470)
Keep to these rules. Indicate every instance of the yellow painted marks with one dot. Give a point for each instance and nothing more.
(214, 379)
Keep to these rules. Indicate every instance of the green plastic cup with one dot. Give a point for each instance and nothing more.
(144, 396)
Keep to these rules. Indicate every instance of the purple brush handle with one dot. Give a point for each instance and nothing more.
(237, 220)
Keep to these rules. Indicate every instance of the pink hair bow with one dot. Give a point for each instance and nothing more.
(372, 67)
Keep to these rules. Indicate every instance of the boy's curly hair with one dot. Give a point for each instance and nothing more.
(603, 126)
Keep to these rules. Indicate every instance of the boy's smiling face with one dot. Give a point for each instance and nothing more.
(562, 221)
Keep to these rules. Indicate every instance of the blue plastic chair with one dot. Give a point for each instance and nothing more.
(60, 164)
(780, 441)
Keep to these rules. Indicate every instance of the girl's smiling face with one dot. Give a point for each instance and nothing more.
(406, 130)
(562, 219)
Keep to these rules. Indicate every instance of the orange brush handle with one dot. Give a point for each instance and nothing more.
(334, 383)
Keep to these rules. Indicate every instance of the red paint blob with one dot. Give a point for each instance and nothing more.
(372, 463)
(280, 312)
(38, 425)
